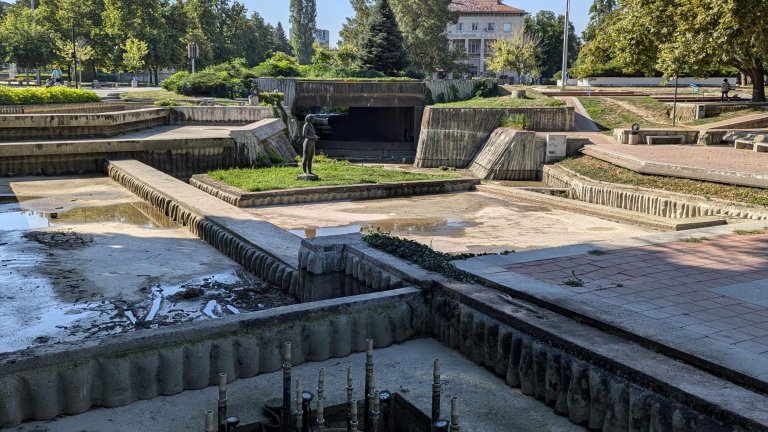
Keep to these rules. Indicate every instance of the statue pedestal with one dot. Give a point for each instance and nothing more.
(309, 177)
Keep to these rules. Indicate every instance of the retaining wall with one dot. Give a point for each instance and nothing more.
(465, 89)
(690, 136)
(648, 201)
(229, 115)
(44, 383)
(90, 107)
(260, 141)
(510, 155)
(689, 112)
(52, 126)
(452, 136)
(240, 198)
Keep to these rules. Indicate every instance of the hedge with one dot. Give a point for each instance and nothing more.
(39, 96)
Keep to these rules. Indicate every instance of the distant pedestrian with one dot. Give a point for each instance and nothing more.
(57, 76)
(724, 90)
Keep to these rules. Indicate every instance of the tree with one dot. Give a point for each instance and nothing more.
(134, 51)
(303, 23)
(280, 41)
(423, 27)
(548, 27)
(24, 42)
(667, 36)
(517, 53)
(353, 30)
(382, 47)
(598, 14)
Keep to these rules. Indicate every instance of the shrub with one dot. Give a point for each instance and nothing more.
(207, 83)
(486, 88)
(37, 96)
(172, 82)
(167, 103)
(279, 65)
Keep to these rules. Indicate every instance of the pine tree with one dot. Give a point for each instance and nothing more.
(280, 41)
(382, 48)
(303, 23)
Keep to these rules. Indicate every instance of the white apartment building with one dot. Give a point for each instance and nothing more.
(480, 23)
(323, 37)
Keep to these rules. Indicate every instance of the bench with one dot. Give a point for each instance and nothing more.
(664, 139)
(242, 101)
(205, 102)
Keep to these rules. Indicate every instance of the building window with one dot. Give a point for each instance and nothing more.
(474, 46)
(460, 27)
(507, 27)
(475, 26)
(490, 27)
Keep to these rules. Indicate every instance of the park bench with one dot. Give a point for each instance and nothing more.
(242, 101)
(664, 139)
(202, 101)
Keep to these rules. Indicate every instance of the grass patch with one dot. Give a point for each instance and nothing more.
(331, 172)
(517, 121)
(609, 116)
(596, 169)
(695, 239)
(168, 97)
(751, 232)
(504, 102)
(725, 116)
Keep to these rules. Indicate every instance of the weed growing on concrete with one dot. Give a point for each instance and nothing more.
(515, 121)
(597, 252)
(751, 232)
(695, 239)
(574, 281)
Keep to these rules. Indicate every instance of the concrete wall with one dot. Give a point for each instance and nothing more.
(465, 87)
(197, 115)
(690, 136)
(52, 126)
(241, 198)
(509, 155)
(648, 201)
(650, 82)
(687, 112)
(92, 107)
(452, 136)
(259, 140)
(114, 371)
(286, 86)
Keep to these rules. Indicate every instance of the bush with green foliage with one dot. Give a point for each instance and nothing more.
(486, 88)
(38, 96)
(515, 121)
(167, 103)
(279, 65)
(208, 83)
(172, 82)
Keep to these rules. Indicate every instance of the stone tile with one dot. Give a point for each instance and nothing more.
(731, 336)
(701, 329)
(752, 346)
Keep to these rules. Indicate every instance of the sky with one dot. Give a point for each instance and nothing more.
(331, 14)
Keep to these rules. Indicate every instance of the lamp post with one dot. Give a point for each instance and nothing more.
(566, 29)
(74, 52)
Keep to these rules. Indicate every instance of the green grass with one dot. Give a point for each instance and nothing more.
(168, 96)
(603, 171)
(744, 232)
(331, 172)
(609, 116)
(504, 102)
(647, 103)
(695, 239)
(725, 116)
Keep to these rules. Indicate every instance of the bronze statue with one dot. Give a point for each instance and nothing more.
(308, 148)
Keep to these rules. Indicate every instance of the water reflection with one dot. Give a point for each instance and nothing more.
(14, 216)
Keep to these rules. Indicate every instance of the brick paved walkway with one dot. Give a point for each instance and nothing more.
(680, 284)
(707, 299)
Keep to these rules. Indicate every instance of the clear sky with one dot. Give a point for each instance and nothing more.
(331, 14)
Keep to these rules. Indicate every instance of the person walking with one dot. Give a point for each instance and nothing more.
(724, 90)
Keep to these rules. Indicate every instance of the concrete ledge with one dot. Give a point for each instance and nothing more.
(41, 384)
(52, 126)
(648, 201)
(240, 198)
(230, 115)
(90, 107)
(614, 214)
(758, 180)
(264, 249)
(688, 136)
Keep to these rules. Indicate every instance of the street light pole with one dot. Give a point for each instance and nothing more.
(74, 53)
(566, 28)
